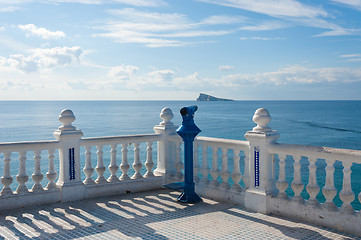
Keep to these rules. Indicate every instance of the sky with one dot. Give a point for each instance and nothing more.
(176, 49)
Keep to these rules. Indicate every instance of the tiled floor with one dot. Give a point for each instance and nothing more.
(152, 215)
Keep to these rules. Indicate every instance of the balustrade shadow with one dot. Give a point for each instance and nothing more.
(122, 216)
(292, 232)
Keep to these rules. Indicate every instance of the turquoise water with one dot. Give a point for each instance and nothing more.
(322, 123)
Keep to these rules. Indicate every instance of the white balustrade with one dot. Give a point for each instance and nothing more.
(205, 169)
(346, 195)
(329, 189)
(312, 188)
(137, 165)
(51, 174)
(149, 162)
(22, 177)
(225, 174)
(282, 184)
(215, 170)
(6, 179)
(37, 175)
(113, 167)
(225, 145)
(297, 185)
(100, 169)
(88, 169)
(236, 174)
(124, 166)
(258, 175)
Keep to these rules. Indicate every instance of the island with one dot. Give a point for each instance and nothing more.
(208, 98)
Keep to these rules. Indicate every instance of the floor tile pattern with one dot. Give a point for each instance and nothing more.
(152, 215)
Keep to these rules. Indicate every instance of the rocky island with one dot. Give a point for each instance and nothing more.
(208, 98)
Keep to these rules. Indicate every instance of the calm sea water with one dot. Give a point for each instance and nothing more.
(322, 123)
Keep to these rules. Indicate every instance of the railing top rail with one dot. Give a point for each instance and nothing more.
(28, 146)
(315, 151)
(119, 139)
(221, 142)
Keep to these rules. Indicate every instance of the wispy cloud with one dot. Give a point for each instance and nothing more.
(275, 8)
(292, 12)
(41, 59)
(138, 3)
(225, 68)
(33, 30)
(356, 4)
(266, 26)
(156, 29)
(261, 38)
(351, 57)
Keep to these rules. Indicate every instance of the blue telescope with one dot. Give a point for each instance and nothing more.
(188, 131)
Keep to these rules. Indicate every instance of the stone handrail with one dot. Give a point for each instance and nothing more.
(236, 171)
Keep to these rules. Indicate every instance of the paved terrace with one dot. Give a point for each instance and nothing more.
(152, 215)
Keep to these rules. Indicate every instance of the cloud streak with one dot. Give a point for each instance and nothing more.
(154, 29)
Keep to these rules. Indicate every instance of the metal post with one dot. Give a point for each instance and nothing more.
(188, 131)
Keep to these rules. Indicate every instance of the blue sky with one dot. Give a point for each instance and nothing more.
(173, 50)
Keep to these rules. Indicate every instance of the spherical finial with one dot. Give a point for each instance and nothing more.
(166, 115)
(261, 117)
(66, 117)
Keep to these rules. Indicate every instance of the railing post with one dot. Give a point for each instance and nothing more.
(261, 184)
(69, 137)
(166, 148)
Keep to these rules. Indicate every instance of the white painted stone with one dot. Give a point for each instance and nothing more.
(166, 148)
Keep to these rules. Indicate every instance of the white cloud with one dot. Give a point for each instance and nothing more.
(33, 30)
(261, 38)
(123, 72)
(275, 8)
(225, 68)
(266, 26)
(9, 9)
(139, 3)
(351, 57)
(290, 11)
(155, 29)
(350, 3)
(295, 75)
(41, 59)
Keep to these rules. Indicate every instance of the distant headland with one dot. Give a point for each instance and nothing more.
(208, 98)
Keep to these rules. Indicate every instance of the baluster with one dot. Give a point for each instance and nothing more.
(149, 162)
(205, 168)
(113, 167)
(22, 177)
(282, 184)
(346, 195)
(297, 185)
(100, 169)
(196, 167)
(215, 171)
(6, 179)
(88, 169)
(329, 189)
(236, 174)
(137, 165)
(225, 174)
(178, 162)
(51, 174)
(124, 166)
(37, 175)
(312, 188)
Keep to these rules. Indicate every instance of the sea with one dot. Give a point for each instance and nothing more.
(321, 123)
